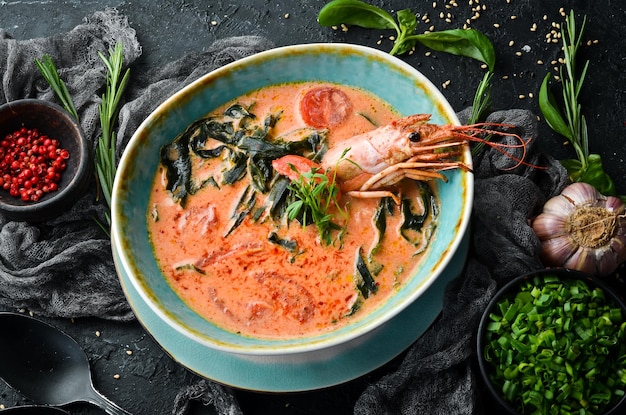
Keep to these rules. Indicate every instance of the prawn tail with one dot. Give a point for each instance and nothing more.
(480, 133)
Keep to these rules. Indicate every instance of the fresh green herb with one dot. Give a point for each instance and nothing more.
(244, 206)
(469, 43)
(289, 244)
(190, 267)
(411, 228)
(49, 71)
(315, 196)
(570, 121)
(557, 346)
(106, 161)
(366, 283)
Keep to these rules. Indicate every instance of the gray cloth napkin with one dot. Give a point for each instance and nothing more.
(64, 267)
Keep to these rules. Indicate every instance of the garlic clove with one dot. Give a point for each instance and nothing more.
(557, 250)
(583, 259)
(615, 204)
(583, 194)
(559, 206)
(550, 226)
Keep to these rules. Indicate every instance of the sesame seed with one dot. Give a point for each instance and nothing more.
(521, 96)
(513, 17)
(129, 352)
(533, 28)
(496, 25)
(434, 4)
(505, 77)
(545, 17)
(518, 53)
(511, 43)
(97, 333)
(539, 62)
(286, 15)
(427, 53)
(531, 95)
(116, 376)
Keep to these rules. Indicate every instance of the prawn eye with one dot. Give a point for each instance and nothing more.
(415, 137)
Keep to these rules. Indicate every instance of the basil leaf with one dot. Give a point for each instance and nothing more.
(592, 174)
(550, 110)
(408, 24)
(469, 43)
(355, 12)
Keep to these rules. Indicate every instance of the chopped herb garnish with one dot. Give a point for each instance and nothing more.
(557, 346)
(365, 282)
(316, 195)
(289, 244)
(411, 228)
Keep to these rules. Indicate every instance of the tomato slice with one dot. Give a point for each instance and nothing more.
(324, 107)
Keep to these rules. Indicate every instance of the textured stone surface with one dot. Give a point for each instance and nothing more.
(148, 378)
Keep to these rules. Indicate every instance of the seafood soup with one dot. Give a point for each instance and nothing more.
(234, 239)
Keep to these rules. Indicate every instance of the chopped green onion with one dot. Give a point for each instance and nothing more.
(557, 347)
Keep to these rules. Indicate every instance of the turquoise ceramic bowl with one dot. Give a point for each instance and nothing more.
(389, 78)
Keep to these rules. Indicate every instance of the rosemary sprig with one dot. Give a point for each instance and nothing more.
(570, 121)
(105, 150)
(49, 71)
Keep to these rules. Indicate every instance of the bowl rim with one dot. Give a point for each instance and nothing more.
(72, 189)
(510, 287)
(313, 343)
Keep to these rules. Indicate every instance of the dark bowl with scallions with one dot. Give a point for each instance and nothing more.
(554, 342)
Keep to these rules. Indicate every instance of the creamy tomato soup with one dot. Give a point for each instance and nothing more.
(251, 272)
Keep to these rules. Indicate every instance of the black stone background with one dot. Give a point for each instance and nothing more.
(149, 379)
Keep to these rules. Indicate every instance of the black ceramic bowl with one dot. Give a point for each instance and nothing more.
(510, 290)
(52, 120)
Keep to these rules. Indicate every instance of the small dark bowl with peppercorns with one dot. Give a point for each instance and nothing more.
(45, 161)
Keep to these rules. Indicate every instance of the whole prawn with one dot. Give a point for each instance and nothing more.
(369, 165)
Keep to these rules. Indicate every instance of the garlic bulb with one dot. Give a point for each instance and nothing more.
(582, 229)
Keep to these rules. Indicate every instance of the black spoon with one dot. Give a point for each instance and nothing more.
(46, 365)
